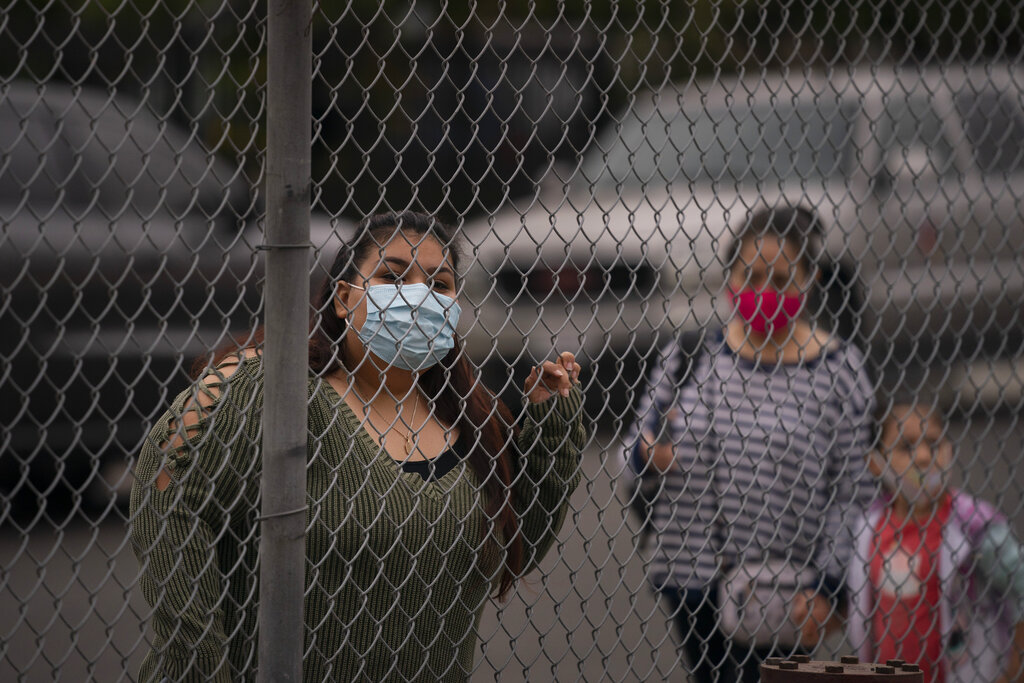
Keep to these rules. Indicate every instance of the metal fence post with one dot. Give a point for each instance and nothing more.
(282, 547)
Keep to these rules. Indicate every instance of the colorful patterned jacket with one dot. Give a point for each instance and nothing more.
(981, 568)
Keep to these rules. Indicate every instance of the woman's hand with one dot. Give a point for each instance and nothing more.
(550, 378)
(814, 615)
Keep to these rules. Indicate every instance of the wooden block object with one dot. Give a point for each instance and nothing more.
(801, 669)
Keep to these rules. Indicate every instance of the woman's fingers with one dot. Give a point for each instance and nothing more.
(813, 614)
(556, 377)
(552, 377)
(800, 615)
(568, 360)
(539, 385)
(799, 611)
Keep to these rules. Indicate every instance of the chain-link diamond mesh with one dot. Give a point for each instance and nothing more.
(783, 243)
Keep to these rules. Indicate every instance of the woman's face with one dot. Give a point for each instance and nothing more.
(769, 263)
(405, 258)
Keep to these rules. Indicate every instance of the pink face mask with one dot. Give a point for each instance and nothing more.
(767, 311)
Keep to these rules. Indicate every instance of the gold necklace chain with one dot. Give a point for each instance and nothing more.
(409, 442)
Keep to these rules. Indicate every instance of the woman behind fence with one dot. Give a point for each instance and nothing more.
(425, 495)
(754, 440)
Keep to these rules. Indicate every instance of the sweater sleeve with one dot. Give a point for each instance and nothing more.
(177, 524)
(850, 487)
(550, 445)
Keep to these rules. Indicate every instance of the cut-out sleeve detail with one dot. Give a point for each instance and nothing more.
(184, 425)
(206, 448)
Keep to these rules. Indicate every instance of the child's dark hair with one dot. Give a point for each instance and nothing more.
(886, 407)
(796, 225)
(459, 398)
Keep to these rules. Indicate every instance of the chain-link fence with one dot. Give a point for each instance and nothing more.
(783, 242)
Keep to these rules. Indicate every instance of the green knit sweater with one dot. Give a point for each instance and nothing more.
(397, 573)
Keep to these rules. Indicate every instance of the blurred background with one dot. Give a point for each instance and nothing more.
(596, 157)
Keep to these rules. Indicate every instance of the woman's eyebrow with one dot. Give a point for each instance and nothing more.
(400, 262)
(404, 266)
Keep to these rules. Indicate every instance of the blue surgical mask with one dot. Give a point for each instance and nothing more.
(409, 326)
(914, 485)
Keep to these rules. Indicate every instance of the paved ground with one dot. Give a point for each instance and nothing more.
(70, 610)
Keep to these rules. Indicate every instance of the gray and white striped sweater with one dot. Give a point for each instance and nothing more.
(769, 460)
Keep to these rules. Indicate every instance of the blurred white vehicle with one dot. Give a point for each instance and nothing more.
(918, 175)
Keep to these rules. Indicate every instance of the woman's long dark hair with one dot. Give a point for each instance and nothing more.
(458, 396)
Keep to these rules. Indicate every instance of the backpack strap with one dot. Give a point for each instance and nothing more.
(691, 348)
(974, 516)
(646, 485)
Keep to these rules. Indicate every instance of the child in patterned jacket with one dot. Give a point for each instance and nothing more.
(939, 576)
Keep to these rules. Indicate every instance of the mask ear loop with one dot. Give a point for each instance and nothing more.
(353, 285)
(348, 326)
(941, 467)
(876, 458)
(350, 285)
(945, 451)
